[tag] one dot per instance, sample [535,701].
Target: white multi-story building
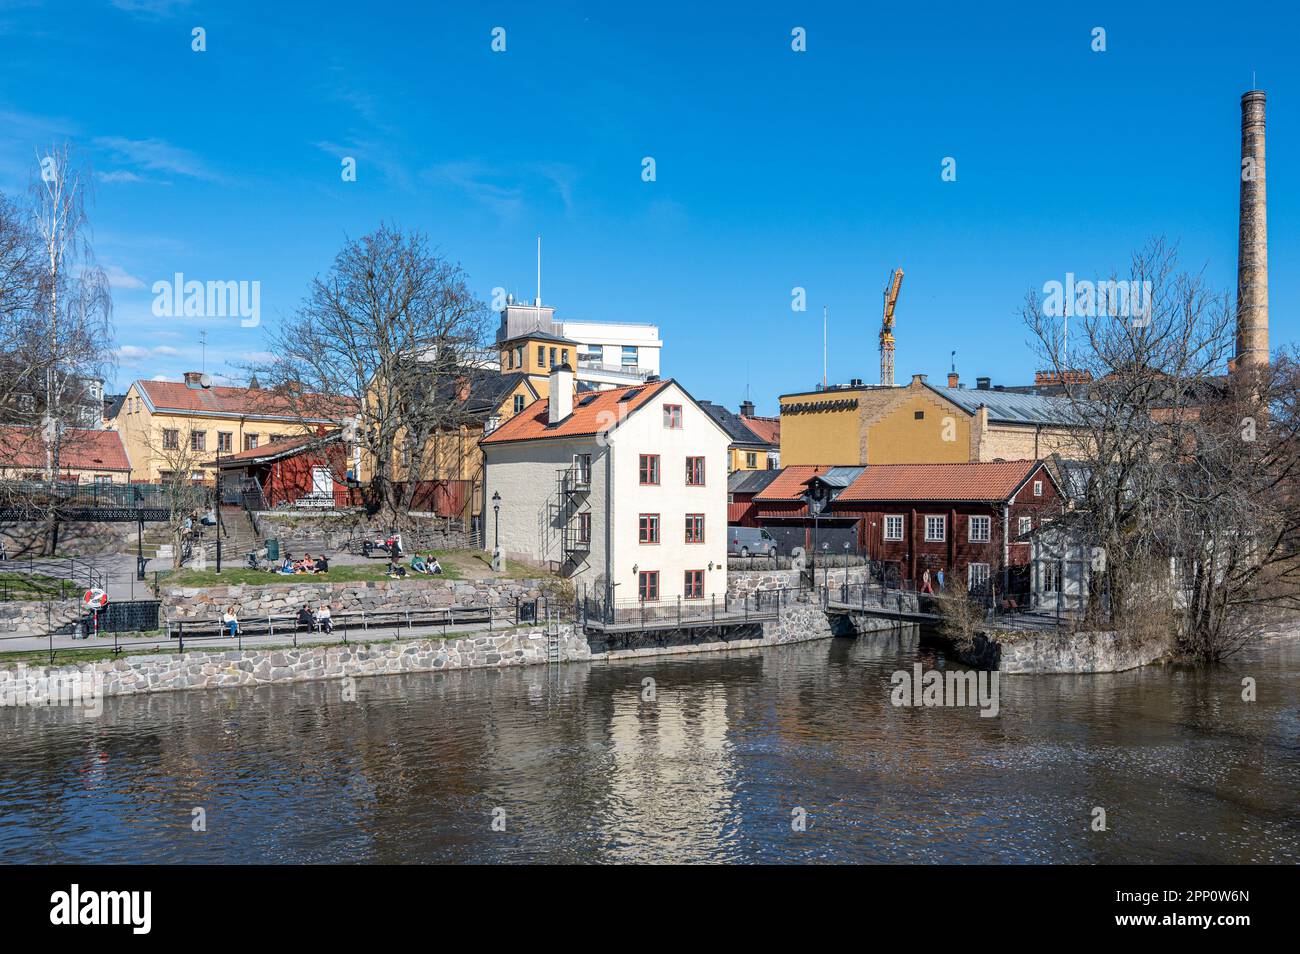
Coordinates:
[608,353]
[624,491]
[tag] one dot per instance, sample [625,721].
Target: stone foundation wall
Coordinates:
[335,531]
[208,602]
[1062,652]
[212,670]
[30,615]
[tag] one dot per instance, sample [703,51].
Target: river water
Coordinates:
[577,766]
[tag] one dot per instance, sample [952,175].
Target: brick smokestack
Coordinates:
[1252,246]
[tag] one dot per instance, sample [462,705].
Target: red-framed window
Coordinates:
[694,586]
[648,528]
[673,416]
[695,472]
[647,585]
[695,528]
[584,527]
[649,469]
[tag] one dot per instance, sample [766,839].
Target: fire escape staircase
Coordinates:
[570,501]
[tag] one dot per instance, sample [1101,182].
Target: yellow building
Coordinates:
[921,423]
[478,400]
[167,425]
[536,354]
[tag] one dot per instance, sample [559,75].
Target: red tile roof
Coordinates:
[994,481]
[80,449]
[238,402]
[767,428]
[789,484]
[593,413]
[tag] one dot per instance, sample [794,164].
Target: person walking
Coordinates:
[925,582]
[938,576]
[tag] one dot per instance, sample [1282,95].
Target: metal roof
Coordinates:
[750,481]
[1012,407]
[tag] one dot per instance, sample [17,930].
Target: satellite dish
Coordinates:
[206,380]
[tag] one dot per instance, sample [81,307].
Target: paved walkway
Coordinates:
[214,643]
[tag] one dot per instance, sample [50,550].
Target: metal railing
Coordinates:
[679,611]
[91,494]
[77,573]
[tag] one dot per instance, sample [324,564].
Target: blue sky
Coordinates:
[775,169]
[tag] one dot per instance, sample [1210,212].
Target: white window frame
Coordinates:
[943,528]
[982,521]
[901,527]
[1026,525]
[971,582]
[1038,488]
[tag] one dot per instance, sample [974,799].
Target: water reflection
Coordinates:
[586,769]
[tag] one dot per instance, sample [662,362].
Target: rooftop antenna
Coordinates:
[539,271]
[203,351]
[824,379]
[954,362]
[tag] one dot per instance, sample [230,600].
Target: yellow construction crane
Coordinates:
[887,329]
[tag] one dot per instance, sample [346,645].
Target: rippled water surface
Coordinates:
[585,770]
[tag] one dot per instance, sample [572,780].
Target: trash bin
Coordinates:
[273,549]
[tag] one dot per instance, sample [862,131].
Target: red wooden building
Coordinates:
[973,520]
[306,470]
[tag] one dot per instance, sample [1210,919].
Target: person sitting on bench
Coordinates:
[323,621]
[305,617]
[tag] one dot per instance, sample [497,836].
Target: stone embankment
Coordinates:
[1061,652]
[214,670]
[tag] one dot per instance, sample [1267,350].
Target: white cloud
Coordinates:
[119,175]
[130,352]
[119,277]
[158,155]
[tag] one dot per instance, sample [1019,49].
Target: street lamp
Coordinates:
[496,521]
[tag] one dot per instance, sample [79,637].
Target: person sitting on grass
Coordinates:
[395,570]
[323,621]
[417,564]
[305,617]
[434,566]
[286,566]
[305,565]
[322,564]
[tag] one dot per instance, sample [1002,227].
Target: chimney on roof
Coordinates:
[194,379]
[952,379]
[918,379]
[560,399]
[462,388]
[746,408]
[982,384]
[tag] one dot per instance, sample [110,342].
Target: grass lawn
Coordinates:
[34,586]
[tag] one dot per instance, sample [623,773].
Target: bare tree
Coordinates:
[386,334]
[73,303]
[181,469]
[1183,482]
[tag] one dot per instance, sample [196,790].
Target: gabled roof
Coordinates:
[177,397]
[79,449]
[837,478]
[750,481]
[790,484]
[995,481]
[1010,407]
[593,413]
[113,404]
[739,432]
[276,450]
[767,428]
